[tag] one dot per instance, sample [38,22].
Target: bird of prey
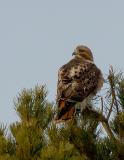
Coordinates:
[78,81]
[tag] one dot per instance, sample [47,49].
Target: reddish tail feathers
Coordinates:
[66,110]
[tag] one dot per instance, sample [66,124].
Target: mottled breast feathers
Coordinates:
[78,79]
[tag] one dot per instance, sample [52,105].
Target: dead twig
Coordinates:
[110,110]
[102,106]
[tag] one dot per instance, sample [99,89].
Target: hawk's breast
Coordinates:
[78,79]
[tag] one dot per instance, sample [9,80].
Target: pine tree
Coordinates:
[7,145]
[95,134]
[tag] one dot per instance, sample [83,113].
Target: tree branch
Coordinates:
[112,83]
[110,110]
[99,117]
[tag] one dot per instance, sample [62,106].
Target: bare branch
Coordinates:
[112,82]
[99,117]
[102,106]
[110,110]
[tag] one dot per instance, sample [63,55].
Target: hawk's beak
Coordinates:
[74,53]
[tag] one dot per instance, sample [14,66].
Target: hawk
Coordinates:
[78,81]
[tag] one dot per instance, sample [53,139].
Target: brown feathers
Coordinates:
[77,79]
[66,110]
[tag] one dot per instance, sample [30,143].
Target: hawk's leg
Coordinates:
[81,106]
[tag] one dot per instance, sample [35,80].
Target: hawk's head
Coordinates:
[82,51]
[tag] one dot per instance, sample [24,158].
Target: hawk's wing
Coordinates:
[77,80]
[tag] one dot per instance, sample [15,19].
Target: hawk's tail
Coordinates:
[66,110]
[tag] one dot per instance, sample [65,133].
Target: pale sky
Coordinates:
[38,36]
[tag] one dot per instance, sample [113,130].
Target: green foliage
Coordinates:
[35,114]
[36,136]
[103,149]
[7,146]
[60,145]
[121,92]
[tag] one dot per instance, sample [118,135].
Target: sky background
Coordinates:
[38,36]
